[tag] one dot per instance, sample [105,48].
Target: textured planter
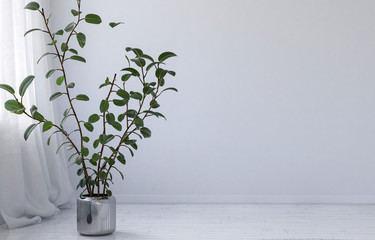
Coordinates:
[96,215]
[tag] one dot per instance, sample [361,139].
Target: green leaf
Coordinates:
[146,132]
[110,117]
[165,55]
[119,102]
[121,158]
[95,157]
[121,117]
[136,95]
[81,38]
[151,65]
[85,151]
[72,50]
[125,77]
[71,85]
[60,80]
[33,109]
[78,58]
[47,126]
[32,6]
[50,72]
[78,160]
[133,71]
[69,27]
[55,95]
[80,171]
[148,57]
[138,52]
[108,192]
[89,126]
[52,43]
[28,131]
[38,116]
[86,139]
[94,118]
[154,104]
[74,12]
[104,105]
[172,73]
[96,143]
[124,94]
[7,88]
[148,90]
[113,24]
[140,62]
[117,126]
[131,113]
[14,106]
[102,175]
[32,30]
[171,88]
[46,54]
[82,97]
[60,32]
[25,84]
[93,19]
[93,163]
[64,47]
[138,122]
[160,73]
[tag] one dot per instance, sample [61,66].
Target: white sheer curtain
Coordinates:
[34,181]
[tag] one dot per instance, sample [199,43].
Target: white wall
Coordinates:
[276,101]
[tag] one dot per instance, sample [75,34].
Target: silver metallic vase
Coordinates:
[96,215]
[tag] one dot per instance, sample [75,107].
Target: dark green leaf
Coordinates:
[119,102]
[14,107]
[96,143]
[113,24]
[93,162]
[138,52]
[121,158]
[154,104]
[50,72]
[86,139]
[117,126]
[121,117]
[71,85]
[85,151]
[94,118]
[32,6]
[102,175]
[93,19]
[52,43]
[72,50]
[138,122]
[124,94]
[148,90]
[32,30]
[64,47]
[82,97]
[38,116]
[60,80]
[89,126]
[28,131]
[125,77]
[108,192]
[74,12]
[171,88]
[148,57]
[81,38]
[160,73]
[80,171]
[69,27]
[78,160]
[140,62]
[146,132]
[25,84]
[7,88]
[60,32]
[110,117]
[82,183]
[104,105]
[151,65]
[131,113]
[172,73]
[165,55]
[133,71]
[78,58]
[55,95]
[33,109]
[136,95]
[47,126]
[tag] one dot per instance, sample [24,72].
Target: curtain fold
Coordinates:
[34,181]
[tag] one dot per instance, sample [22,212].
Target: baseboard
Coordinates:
[254,199]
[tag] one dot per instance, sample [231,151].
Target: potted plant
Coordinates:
[120,116]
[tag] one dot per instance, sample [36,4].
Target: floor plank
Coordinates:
[218,221]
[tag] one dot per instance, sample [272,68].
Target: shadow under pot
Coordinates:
[96,215]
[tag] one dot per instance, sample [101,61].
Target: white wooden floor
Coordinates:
[218,221]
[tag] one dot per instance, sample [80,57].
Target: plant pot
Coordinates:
[96,215]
